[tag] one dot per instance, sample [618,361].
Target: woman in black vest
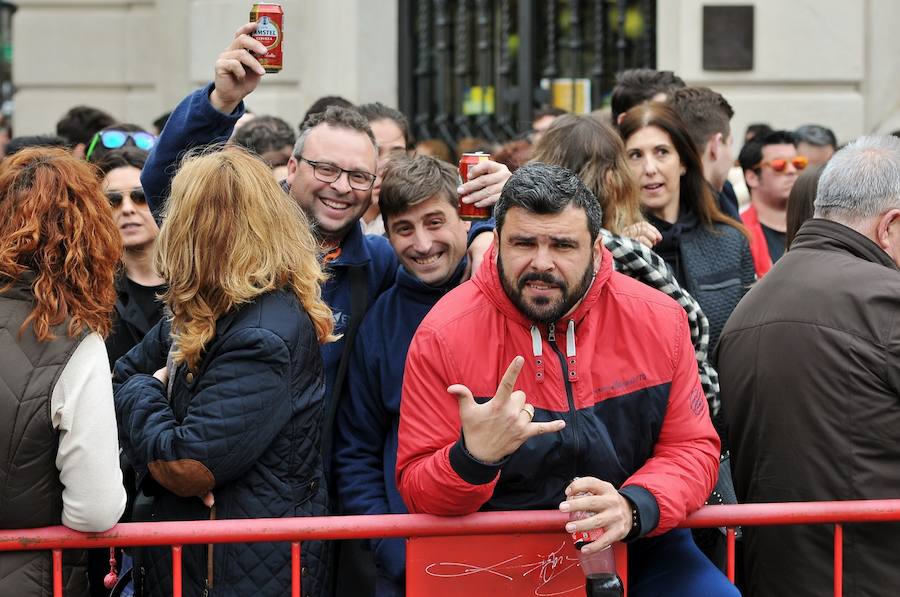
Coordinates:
[59,461]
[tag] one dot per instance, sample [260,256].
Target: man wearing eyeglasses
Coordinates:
[330,175]
[770,165]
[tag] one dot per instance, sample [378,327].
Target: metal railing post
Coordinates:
[176,571]
[838,560]
[729,537]
[295,569]
[57,573]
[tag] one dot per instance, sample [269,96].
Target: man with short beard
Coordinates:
[548,366]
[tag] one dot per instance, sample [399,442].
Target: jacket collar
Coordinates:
[354,250]
[419,291]
[488,280]
[21,288]
[820,234]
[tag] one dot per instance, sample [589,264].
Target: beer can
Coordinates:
[269,19]
[468,211]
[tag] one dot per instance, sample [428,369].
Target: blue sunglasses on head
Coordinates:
[114,139]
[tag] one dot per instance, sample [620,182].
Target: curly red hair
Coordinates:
[56,224]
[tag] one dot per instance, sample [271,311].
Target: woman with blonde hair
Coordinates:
[220,407]
[59,461]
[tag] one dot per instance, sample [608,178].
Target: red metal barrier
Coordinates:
[292,530]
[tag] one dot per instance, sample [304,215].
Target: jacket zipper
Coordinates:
[551,337]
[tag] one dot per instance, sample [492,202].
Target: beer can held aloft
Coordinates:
[269,19]
[468,211]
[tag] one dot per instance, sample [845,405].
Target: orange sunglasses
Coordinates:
[799,162]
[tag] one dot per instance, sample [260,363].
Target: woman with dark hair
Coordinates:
[138,283]
[220,406]
[800,202]
[59,461]
[708,252]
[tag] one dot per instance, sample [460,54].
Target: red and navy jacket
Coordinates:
[620,370]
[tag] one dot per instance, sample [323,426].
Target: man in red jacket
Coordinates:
[549,366]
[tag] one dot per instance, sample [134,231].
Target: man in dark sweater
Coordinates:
[419,205]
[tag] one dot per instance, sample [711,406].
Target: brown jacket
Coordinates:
[809,366]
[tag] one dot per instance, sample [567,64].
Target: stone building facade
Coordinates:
[835,62]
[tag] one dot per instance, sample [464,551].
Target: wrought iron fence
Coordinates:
[481,68]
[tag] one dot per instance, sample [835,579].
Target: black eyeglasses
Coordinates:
[328,172]
[115,198]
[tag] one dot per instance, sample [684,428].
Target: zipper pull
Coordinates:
[551,332]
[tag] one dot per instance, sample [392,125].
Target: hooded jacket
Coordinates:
[620,371]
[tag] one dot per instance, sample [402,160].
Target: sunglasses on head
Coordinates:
[799,162]
[115,198]
[114,139]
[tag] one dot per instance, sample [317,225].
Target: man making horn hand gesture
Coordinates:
[556,368]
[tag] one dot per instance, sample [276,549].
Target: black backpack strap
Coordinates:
[358,299]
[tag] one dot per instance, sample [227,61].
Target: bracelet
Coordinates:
[635,523]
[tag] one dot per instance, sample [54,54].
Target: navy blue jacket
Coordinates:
[196,122]
[246,421]
[366,432]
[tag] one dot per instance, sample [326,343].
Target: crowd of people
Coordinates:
[224,318]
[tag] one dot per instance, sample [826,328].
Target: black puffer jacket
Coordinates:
[714,266]
[245,424]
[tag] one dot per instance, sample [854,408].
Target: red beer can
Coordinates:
[468,211]
[269,19]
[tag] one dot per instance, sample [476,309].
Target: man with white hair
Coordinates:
[809,366]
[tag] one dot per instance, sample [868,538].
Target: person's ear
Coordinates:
[715,146]
[751,177]
[292,166]
[886,233]
[598,253]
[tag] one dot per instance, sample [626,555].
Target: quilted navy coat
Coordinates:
[245,423]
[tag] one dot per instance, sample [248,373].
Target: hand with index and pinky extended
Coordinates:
[494,430]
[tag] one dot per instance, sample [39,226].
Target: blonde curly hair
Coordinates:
[229,235]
